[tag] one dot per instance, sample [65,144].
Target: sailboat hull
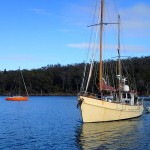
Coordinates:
[17,98]
[95,110]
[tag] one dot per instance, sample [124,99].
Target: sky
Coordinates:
[37,33]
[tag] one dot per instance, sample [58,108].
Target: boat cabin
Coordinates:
[127,98]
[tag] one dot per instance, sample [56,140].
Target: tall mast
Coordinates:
[19,81]
[101,34]
[119,63]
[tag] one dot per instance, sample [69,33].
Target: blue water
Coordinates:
[54,123]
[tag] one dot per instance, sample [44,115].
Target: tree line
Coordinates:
[66,80]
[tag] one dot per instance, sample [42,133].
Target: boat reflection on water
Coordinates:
[109,135]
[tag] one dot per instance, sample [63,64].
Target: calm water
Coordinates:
[54,123]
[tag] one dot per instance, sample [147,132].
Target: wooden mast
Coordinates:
[101,34]
[119,63]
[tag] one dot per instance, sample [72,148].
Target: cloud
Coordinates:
[65,30]
[86,45]
[41,12]
[78,45]
[135,48]
[77,14]
[129,48]
[83,45]
[136,20]
[16,58]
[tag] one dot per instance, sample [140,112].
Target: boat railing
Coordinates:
[89,94]
[105,98]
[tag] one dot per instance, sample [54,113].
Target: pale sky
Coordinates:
[36,33]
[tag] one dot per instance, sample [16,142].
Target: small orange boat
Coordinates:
[17,98]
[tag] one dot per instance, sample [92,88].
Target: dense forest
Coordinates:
[66,80]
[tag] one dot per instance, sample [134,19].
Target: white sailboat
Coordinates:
[122,104]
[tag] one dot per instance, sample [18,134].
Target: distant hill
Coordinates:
[66,80]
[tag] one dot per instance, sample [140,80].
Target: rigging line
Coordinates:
[85,67]
[111,72]
[91,69]
[96,74]
[116,68]
[105,53]
[107,76]
[111,75]
[133,75]
[19,81]
[93,81]
[104,50]
[15,90]
[93,56]
[111,17]
[130,79]
[82,87]
[24,83]
[106,71]
[13,85]
[114,75]
[115,6]
[109,48]
[124,47]
[125,68]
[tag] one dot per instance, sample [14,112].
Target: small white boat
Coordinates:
[148,109]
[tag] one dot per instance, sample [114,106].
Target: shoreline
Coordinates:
[52,94]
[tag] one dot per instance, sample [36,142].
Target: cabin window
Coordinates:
[127,102]
[124,95]
[129,96]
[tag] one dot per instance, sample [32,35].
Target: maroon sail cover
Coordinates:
[108,87]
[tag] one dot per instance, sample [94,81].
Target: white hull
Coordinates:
[94,110]
[148,109]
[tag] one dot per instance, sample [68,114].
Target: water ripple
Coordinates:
[54,123]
